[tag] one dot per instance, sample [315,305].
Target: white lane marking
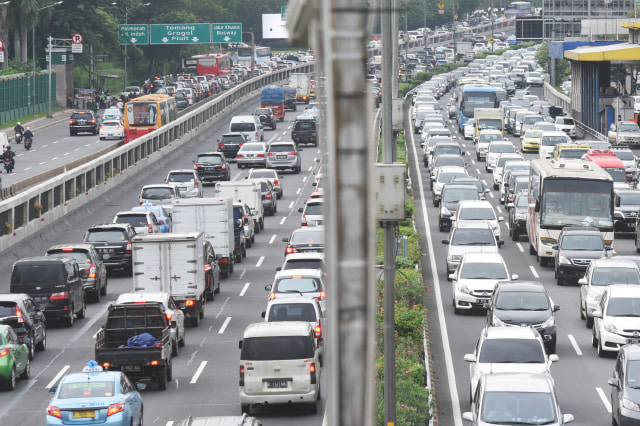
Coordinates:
[260,261]
[533,271]
[499,209]
[484,182]
[310,168]
[77,149]
[67,153]
[272,239]
[284,133]
[28,168]
[304,179]
[44,146]
[244,271]
[318,152]
[224,325]
[448,358]
[604,399]
[283,219]
[195,377]
[291,204]
[54,158]
[473,162]
[574,344]
[491,195]
[169,423]
[58,376]
[520,247]
[44,162]
[244,289]
[298,191]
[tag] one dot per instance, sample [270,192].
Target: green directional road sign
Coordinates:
[133,34]
[180,33]
[227,33]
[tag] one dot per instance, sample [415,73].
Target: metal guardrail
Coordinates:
[67,188]
[561,100]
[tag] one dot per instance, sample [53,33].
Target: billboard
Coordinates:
[273,26]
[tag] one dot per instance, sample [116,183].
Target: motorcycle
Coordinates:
[27,143]
[18,137]
[8,165]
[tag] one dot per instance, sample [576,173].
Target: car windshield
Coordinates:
[302,264]
[243,127]
[445,177]
[295,284]
[582,242]
[554,140]
[133,219]
[457,194]
[477,213]
[625,155]
[314,209]
[309,237]
[86,389]
[483,271]
[502,147]
[446,149]
[518,408]
[270,174]
[628,128]
[293,312]
[448,161]
[633,374]
[304,125]
[108,235]
[209,159]
[623,307]
[473,237]
[282,148]
[618,174]
[522,301]
[523,351]
[37,274]
[533,134]
[565,120]
[522,201]
[181,177]
[79,256]
[156,193]
[604,276]
[276,348]
[632,199]
[531,119]
[490,137]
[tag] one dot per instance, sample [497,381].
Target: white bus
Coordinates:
[566,192]
[262,54]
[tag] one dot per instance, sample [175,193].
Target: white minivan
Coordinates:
[249,125]
[279,364]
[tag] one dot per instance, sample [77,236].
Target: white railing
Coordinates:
[30,206]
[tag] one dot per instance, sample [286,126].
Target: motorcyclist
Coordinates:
[28,134]
[19,128]
[8,155]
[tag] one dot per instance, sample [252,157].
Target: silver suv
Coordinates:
[187,183]
[284,155]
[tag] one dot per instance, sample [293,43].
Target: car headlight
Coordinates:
[611,328]
[445,212]
[454,258]
[593,297]
[630,405]
[550,322]
[464,289]
[563,260]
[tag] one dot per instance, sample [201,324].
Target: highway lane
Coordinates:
[580,376]
[205,373]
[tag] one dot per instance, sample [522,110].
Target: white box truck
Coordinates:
[248,192]
[302,83]
[172,263]
[213,217]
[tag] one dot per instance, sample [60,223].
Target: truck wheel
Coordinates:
[169,368]
[247,243]
[261,224]
[239,256]
[162,378]
[209,295]
[244,251]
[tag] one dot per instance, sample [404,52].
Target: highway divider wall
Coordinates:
[65,189]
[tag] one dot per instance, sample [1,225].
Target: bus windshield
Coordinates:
[473,100]
[142,113]
[567,202]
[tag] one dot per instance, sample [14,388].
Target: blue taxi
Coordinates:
[95,397]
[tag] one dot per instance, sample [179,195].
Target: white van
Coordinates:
[249,125]
[279,364]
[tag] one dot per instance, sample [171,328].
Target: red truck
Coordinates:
[273,97]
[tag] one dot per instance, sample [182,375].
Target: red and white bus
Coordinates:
[211,64]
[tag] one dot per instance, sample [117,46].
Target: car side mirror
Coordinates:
[279,268]
[514,277]
[268,287]
[264,314]
[300,210]
[582,281]
[500,218]
[555,247]
[567,418]
[445,241]
[141,386]
[240,344]
[468,416]
[500,243]
[285,240]
[470,358]
[487,306]
[556,308]
[617,202]
[554,358]
[537,206]
[53,389]
[597,313]
[614,382]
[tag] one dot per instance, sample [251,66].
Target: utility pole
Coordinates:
[350,219]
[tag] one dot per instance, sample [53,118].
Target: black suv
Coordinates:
[212,167]
[83,122]
[452,194]
[93,272]
[577,247]
[27,320]
[627,205]
[113,242]
[266,117]
[54,285]
[524,304]
[229,144]
[518,215]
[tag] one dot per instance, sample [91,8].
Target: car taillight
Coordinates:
[166,181]
[4,352]
[256,135]
[304,221]
[190,302]
[92,271]
[260,155]
[71,122]
[223,167]
[150,228]
[293,153]
[268,196]
[128,249]
[59,296]
[241,382]
[19,315]
[269,154]
[275,182]
[322,295]
[54,411]
[318,331]
[169,316]
[220,146]
[207,267]
[115,408]
[312,372]
[272,295]
[239,156]
[101,127]
[290,250]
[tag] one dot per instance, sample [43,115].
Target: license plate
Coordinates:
[106,256]
[632,341]
[43,306]
[130,368]
[281,157]
[249,155]
[482,301]
[88,414]
[278,384]
[182,188]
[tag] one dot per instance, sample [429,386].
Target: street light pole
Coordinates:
[49,115]
[33,51]
[126,21]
